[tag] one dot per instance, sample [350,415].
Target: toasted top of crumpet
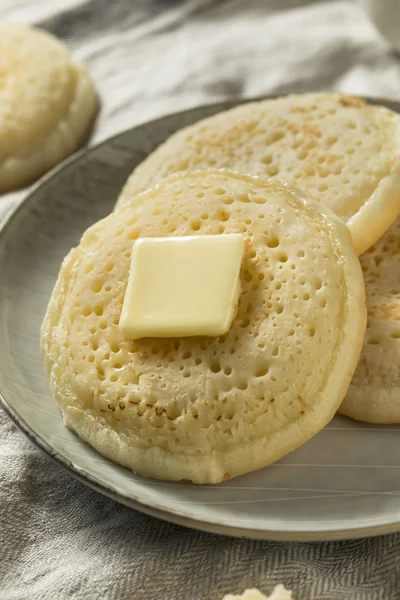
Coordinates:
[339,150]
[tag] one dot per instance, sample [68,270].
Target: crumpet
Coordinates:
[47,104]
[374,393]
[339,150]
[203,408]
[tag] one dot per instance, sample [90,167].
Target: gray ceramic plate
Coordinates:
[344,483]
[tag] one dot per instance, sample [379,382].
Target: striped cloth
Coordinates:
[60,540]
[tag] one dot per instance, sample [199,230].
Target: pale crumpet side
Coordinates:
[374,393]
[47,104]
[341,151]
[207,409]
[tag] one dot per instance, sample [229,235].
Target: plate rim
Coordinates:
[153,508]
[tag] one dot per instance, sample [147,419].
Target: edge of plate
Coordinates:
[154,509]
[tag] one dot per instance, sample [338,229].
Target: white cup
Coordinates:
[385,15]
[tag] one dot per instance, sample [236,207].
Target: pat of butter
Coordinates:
[182,286]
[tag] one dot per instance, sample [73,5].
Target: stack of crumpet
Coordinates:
[216,320]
